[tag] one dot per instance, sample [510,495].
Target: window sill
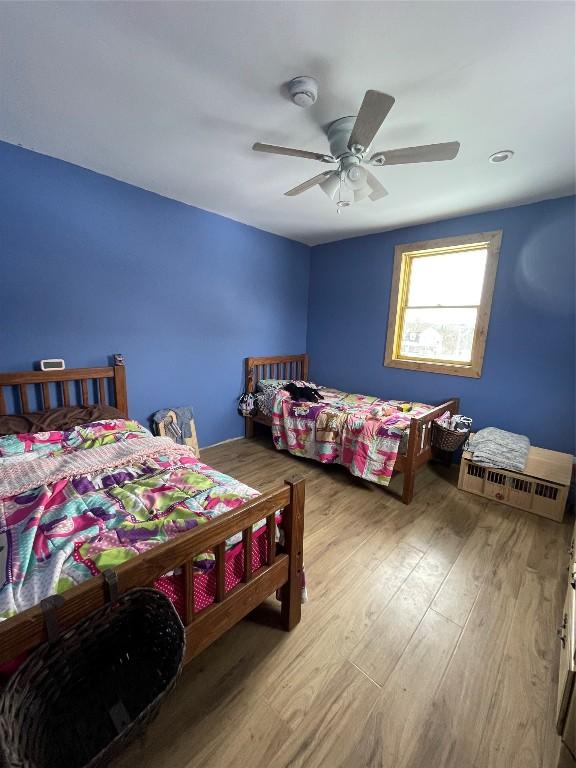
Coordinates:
[470,371]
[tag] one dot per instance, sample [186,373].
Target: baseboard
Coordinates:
[213,445]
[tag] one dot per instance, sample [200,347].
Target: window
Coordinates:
[440,304]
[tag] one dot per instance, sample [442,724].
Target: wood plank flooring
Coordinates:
[429,640]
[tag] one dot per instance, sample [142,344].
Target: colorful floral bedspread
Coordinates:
[60,534]
[361,432]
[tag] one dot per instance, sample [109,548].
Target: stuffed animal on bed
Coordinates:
[381,411]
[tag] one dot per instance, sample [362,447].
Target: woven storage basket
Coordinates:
[76,702]
[447,439]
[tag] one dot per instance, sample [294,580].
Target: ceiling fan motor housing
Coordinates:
[339,134]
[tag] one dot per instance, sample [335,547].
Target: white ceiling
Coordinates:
[170,96]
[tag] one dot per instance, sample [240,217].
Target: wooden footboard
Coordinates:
[420,446]
[282,570]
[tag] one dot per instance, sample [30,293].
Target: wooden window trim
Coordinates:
[402,260]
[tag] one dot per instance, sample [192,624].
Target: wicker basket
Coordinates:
[447,439]
[78,701]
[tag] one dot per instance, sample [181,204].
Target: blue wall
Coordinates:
[528,380]
[90,266]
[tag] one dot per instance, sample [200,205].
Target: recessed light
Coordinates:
[501,156]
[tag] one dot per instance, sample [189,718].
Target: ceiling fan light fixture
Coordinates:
[331,185]
[362,194]
[355,177]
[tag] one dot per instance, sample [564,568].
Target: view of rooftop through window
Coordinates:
[443,294]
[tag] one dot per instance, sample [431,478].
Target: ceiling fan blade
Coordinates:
[308,184]
[373,111]
[274,150]
[378,190]
[427,153]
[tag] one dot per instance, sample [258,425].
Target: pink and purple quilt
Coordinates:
[57,534]
[361,432]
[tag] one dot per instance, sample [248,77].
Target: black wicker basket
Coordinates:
[447,439]
[76,702]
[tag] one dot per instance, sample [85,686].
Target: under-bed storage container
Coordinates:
[542,488]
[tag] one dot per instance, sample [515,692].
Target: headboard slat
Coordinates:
[84,391]
[23,394]
[65,394]
[46,402]
[101,392]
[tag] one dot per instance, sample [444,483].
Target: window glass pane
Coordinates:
[438,334]
[447,279]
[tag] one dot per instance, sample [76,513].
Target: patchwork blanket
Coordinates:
[74,518]
[361,432]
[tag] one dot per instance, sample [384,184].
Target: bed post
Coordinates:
[248,387]
[120,396]
[293,525]
[410,471]
[408,486]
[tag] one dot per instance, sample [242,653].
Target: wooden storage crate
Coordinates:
[542,488]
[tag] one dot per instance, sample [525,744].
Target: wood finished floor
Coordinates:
[429,640]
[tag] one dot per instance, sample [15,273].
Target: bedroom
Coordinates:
[137,219]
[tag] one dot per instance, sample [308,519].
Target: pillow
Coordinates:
[265,399]
[263,384]
[280,383]
[56,419]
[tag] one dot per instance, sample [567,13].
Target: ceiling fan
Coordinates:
[350,139]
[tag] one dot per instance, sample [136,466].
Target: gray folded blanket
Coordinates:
[494,447]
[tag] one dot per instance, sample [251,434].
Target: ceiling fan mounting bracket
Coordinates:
[378,159]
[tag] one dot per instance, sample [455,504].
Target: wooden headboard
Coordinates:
[50,389]
[279,367]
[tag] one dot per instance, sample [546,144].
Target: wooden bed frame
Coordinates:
[282,570]
[419,450]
